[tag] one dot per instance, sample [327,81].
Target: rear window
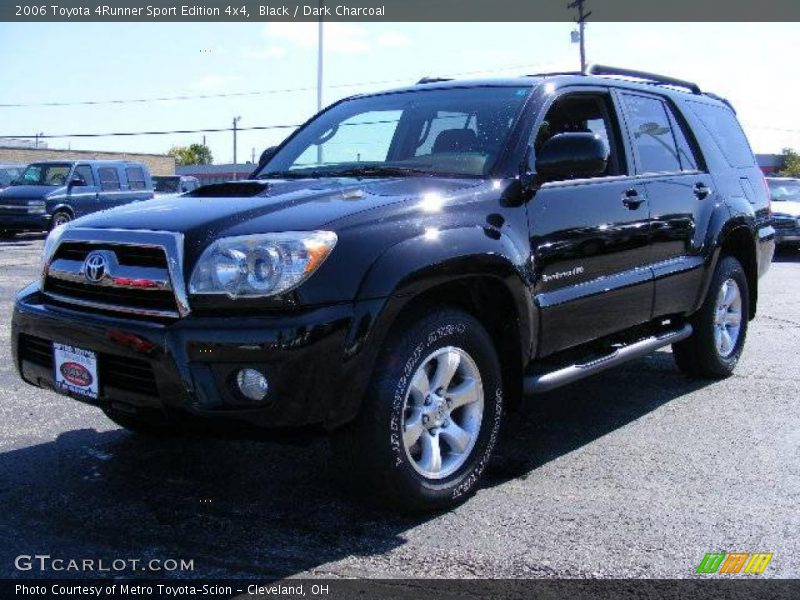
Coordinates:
[109,178]
[721,123]
[135,177]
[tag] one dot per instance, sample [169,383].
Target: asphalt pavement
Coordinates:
[637,472]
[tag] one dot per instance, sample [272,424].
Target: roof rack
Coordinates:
[433,80]
[649,77]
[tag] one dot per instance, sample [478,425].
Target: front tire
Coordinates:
[60,217]
[720,326]
[430,418]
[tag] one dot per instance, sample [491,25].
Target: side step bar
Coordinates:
[544,382]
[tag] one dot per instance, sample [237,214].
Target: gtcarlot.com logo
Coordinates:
[45,562]
[731,563]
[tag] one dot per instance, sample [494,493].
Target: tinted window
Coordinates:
[721,123]
[686,152]
[84,172]
[135,177]
[583,113]
[109,178]
[784,189]
[651,135]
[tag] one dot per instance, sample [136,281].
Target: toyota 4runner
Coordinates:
[408,265]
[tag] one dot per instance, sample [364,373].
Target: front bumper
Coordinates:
[24,221]
[187,368]
[787,229]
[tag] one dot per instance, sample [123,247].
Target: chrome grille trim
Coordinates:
[170,242]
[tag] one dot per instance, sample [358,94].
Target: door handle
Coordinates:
[631,199]
[701,190]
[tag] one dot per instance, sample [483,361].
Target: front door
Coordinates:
[82,191]
[589,237]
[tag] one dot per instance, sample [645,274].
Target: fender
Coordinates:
[723,223]
[60,206]
[413,267]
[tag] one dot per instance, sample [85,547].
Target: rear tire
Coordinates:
[430,418]
[720,326]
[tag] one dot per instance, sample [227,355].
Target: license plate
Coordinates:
[76,370]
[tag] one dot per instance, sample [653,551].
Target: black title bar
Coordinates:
[397,10]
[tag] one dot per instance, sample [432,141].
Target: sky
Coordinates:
[752,64]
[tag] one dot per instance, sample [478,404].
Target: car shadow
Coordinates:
[261,509]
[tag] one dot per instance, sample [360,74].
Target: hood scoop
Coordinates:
[231,189]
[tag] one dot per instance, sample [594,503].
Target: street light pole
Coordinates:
[319,73]
[235,123]
[581,20]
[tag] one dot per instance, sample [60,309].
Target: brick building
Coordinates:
[159,164]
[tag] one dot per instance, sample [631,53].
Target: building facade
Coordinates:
[159,164]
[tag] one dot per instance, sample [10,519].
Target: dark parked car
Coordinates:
[785,194]
[9,173]
[174,184]
[48,194]
[409,265]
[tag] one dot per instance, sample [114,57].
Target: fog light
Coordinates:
[252,384]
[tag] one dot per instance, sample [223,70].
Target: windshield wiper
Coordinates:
[289,175]
[375,171]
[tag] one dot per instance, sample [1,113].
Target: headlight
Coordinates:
[260,265]
[36,207]
[51,243]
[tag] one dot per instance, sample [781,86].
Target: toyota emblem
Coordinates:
[94,267]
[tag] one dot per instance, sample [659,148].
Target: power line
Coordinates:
[240,94]
[135,133]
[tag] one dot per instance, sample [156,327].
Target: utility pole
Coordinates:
[235,123]
[37,138]
[581,21]
[319,73]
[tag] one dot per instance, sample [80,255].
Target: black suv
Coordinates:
[408,265]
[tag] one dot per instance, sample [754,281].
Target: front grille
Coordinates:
[134,256]
[161,300]
[123,373]
[134,277]
[780,223]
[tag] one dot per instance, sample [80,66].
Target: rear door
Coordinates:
[680,193]
[137,184]
[589,237]
[111,193]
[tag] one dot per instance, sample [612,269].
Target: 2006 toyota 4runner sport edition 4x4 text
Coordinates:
[408,265]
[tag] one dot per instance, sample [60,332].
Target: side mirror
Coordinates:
[571,155]
[76,182]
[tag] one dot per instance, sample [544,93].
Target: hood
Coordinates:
[30,192]
[786,207]
[245,207]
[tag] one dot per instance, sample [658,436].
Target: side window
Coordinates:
[85,173]
[686,153]
[651,135]
[587,113]
[135,177]
[721,123]
[109,178]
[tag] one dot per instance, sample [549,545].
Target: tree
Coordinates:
[195,154]
[791,163]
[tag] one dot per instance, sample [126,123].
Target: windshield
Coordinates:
[443,132]
[787,189]
[166,185]
[7,175]
[45,174]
